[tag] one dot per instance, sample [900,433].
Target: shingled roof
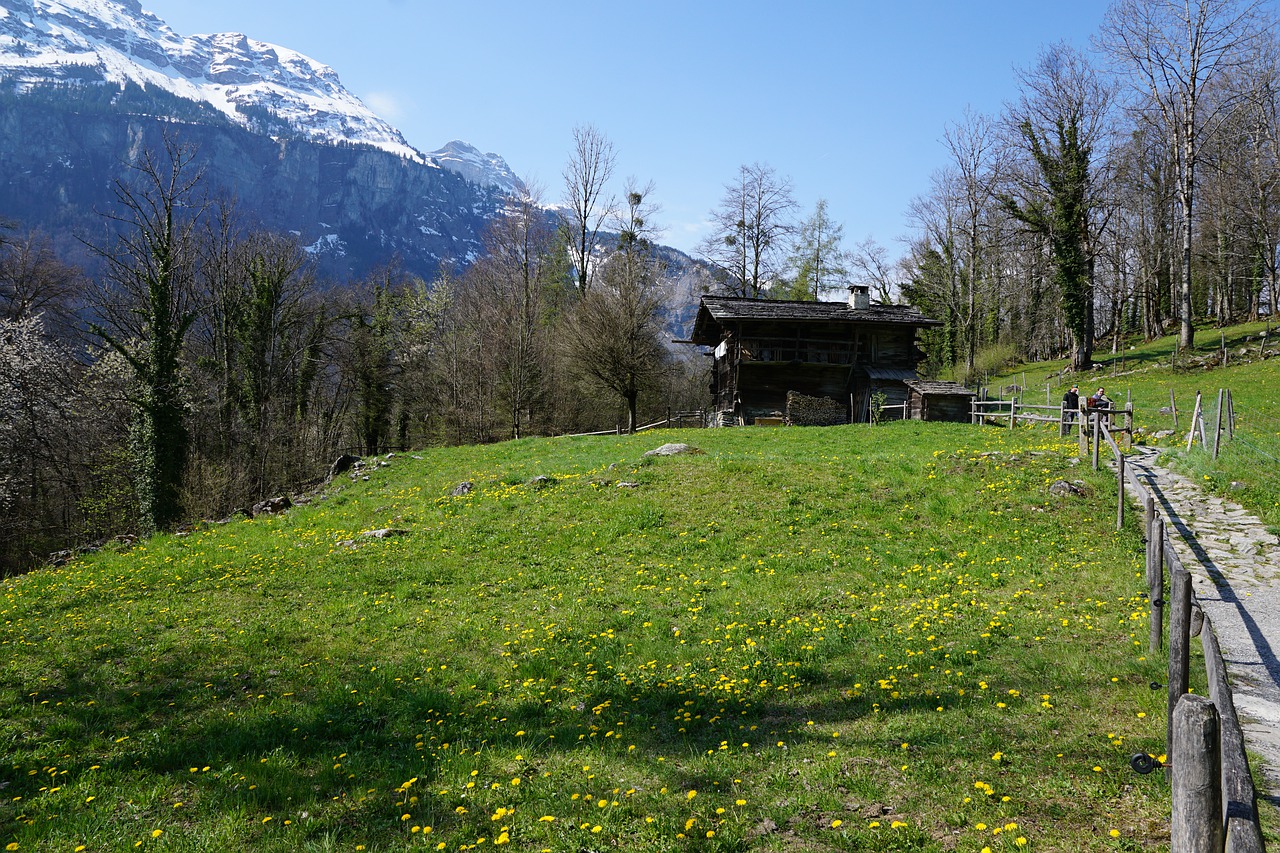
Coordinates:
[934,387]
[718,310]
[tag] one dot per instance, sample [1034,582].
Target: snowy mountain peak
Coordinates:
[484,169]
[117,42]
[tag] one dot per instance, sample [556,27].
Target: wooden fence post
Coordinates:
[1155,585]
[1217,427]
[1173,404]
[1120,490]
[1231,415]
[1097,436]
[1083,419]
[1179,644]
[1197,777]
[1195,421]
[1128,425]
[1240,798]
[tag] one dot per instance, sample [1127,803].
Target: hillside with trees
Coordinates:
[1128,190]
[175,352]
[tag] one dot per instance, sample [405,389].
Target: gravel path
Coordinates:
[1235,569]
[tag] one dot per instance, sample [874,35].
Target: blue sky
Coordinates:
[848,99]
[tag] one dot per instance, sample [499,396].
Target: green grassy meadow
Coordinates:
[851,638]
[1147,373]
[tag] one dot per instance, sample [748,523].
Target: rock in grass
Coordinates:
[1062,489]
[385,533]
[342,465]
[670,450]
[541,481]
[463,488]
[272,505]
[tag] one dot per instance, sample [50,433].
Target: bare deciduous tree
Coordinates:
[515,277]
[34,281]
[1058,126]
[1177,48]
[148,306]
[613,337]
[751,227]
[871,263]
[586,178]
[979,163]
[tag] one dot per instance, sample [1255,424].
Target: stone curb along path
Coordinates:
[1235,568]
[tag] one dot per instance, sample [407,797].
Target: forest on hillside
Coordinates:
[1132,189]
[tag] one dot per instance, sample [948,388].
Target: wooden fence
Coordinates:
[1215,805]
[673,420]
[1013,411]
[1214,802]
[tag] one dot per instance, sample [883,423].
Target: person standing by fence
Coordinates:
[1070,407]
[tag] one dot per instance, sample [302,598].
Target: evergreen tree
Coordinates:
[818,262]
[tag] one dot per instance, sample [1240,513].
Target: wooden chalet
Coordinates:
[841,352]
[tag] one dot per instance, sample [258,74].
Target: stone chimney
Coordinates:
[859,296]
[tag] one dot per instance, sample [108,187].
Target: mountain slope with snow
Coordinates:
[117,41]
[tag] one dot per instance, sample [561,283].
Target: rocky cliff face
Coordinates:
[354,207]
[87,86]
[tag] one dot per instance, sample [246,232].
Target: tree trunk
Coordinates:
[1186,329]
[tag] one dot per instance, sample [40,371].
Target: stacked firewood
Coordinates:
[803,410]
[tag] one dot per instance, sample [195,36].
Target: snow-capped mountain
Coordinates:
[89,87]
[86,86]
[485,169]
[117,41]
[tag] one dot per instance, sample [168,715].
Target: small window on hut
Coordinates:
[866,348]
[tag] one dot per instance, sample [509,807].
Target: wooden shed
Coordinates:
[843,352]
[932,400]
